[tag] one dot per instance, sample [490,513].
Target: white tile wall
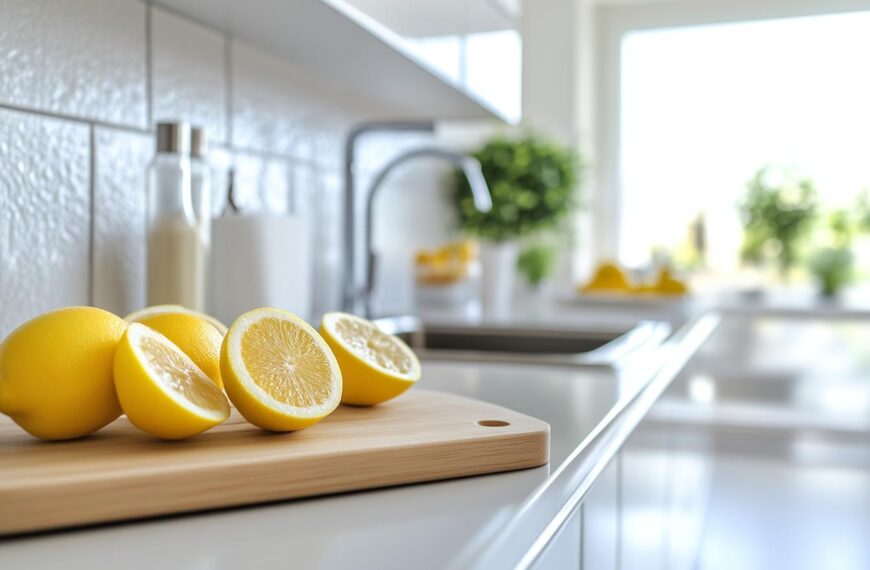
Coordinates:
[64,180]
[82,58]
[262,184]
[187,74]
[270,102]
[45,202]
[119,164]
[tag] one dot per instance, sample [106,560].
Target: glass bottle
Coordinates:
[176,253]
[200,193]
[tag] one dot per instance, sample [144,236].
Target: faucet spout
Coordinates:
[470,168]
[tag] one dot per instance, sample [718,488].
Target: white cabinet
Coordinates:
[563,552]
[600,520]
[644,497]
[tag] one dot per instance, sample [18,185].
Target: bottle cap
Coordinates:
[198,142]
[173,137]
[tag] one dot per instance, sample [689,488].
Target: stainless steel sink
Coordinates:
[526,344]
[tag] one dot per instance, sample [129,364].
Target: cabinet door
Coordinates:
[643,476]
[563,552]
[600,520]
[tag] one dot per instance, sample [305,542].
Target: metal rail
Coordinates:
[540,518]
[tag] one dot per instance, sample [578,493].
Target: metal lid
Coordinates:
[173,137]
[198,142]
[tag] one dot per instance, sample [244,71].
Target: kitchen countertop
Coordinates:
[432,525]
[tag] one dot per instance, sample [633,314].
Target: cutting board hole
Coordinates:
[493,423]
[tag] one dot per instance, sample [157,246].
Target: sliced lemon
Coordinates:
[278,371]
[195,336]
[138,316]
[375,366]
[160,388]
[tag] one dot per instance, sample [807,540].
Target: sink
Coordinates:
[526,344]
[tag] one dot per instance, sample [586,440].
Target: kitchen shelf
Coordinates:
[338,42]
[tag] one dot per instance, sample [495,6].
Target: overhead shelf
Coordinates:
[336,41]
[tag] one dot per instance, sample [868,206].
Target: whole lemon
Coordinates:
[196,338]
[56,372]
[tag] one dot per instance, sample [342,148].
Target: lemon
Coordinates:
[56,372]
[194,336]
[137,316]
[667,284]
[375,366]
[608,277]
[278,372]
[162,391]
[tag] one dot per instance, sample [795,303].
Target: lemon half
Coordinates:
[162,391]
[195,336]
[278,371]
[375,366]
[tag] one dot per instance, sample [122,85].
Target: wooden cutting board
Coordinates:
[120,473]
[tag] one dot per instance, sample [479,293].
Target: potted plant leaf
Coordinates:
[832,265]
[777,213]
[533,183]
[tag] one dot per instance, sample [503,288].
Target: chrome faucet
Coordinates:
[470,167]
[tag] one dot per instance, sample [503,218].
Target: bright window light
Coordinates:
[703,108]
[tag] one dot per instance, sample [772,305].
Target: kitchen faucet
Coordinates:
[469,166]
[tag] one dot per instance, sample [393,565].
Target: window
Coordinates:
[703,108]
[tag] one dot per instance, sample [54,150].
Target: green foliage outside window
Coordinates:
[777,216]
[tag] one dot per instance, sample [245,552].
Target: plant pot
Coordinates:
[498,264]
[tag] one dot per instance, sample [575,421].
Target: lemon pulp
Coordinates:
[371,344]
[278,372]
[180,377]
[375,366]
[284,361]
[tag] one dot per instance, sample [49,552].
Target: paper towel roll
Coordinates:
[260,261]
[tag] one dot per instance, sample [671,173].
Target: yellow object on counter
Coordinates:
[667,284]
[609,278]
[446,265]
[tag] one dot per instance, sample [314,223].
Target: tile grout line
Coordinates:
[149,73]
[73,118]
[228,89]
[95,123]
[92,144]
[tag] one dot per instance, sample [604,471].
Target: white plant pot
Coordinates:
[498,265]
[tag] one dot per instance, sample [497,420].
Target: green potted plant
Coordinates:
[832,268]
[832,265]
[533,183]
[777,213]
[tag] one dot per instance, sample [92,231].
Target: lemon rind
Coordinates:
[155,310]
[234,354]
[329,320]
[135,332]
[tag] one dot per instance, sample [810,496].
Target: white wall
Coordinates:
[81,81]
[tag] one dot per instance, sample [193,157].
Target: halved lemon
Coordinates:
[375,366]
[160,388]
[278,372]
[138,316]
[195,336]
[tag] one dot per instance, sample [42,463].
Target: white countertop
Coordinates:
[430,525]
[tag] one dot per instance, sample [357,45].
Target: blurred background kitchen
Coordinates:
[721,142]
[642,160]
